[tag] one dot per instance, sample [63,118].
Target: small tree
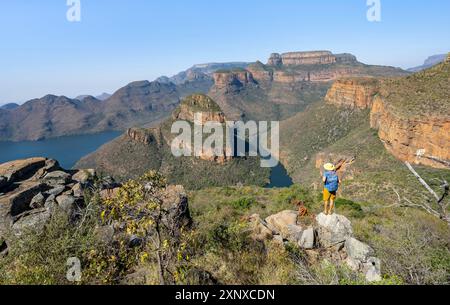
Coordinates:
[138,211]
[437,206]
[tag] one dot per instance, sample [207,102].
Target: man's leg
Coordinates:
[331,207]
[325,208]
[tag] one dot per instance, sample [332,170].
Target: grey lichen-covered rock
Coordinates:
[372,270]
[84,175]
[331,236]
[58,190]
[105,234]
[358,250]
[38,201]
[66,203]
[307,239]
[33,222]
[57,178]
[333,229]
[77,190]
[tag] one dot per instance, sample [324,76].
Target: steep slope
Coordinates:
[140,150]
[411,114]
[370,126]
[287,84]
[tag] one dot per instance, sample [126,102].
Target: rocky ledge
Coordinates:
[38,188]
[353,92]
[32,190]
[323,237]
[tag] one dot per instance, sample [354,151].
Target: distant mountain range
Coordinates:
[429,62]
[200,71]
[101,97]
[277,90]
[9,106]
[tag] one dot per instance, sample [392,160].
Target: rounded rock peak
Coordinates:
[200,102]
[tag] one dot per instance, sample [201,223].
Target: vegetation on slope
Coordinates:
[420,94]
[218,248]
[374,175]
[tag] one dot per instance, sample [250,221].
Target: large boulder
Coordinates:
[34,222]
[57,178]
[19,170]
[333,229]
[360,258]
[358,250]
[372,270]
[15,203]
[83,176]
[307,239]
[285,223]
[66,203]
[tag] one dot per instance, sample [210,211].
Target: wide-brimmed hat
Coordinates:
[329,167]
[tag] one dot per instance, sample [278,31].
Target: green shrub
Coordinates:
[243,203]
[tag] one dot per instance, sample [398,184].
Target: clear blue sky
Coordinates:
[119,41]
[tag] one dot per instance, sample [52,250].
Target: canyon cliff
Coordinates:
[411,114]
[287,83]
[142,149]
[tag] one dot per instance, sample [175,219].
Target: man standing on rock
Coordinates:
[331,186]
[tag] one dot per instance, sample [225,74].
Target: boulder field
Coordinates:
[323,237]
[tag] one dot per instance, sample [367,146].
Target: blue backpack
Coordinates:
[332,181]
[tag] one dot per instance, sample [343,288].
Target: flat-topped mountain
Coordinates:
[287,83]
[143,149]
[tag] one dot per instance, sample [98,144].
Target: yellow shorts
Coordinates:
[327,195]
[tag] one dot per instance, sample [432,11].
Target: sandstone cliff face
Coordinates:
[302,58]
[188,114]
[145,136]
[232,79]
[420,139]
[309,58]
[192,105]
[353,93]
[424,140]
[202,105]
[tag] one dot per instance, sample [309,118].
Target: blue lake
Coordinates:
[279,177]
[67,150]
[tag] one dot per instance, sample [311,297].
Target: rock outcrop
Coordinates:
[353,92]
[302,58]
[412,127]
[232,80]
[201,105]
[330,236]
[423,140]
[145,136]
[35,189]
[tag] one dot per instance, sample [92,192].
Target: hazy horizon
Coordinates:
[117,42]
